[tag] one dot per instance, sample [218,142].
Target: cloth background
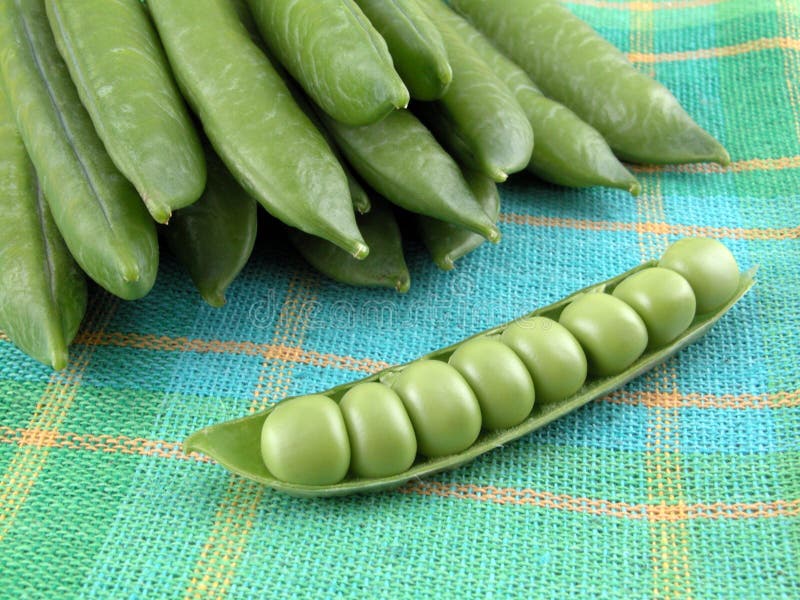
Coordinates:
[684,484]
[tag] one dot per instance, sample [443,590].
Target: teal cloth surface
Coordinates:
[683,484]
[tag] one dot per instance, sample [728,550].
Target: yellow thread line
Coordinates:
[109,444]
[741,233]
[600,507]
[706,401]
[643,5]
[776,43]
[741,166]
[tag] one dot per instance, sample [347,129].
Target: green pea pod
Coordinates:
[446,242]
[426,181]
[122,77]
[415,44]
[42,291]
[358,194]
[335,53]
[214,237]
[384,267]
[235,444]
[572,64]
[494,133]
[255,126]
[567,150]
[102,219]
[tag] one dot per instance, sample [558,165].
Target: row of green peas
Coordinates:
[435,408]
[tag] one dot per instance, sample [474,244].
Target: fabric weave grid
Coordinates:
[683,484]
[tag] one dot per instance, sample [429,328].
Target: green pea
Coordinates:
[304,441]
[567,150]
[415,44]
[610,332]
[382,440]
[443,409]
[572,64]
[122,76]
[446,242]
[269,145]
[708,266]
[553,356]
[40,308]
[663,299]
[334,52]
[385,266]
[499,378]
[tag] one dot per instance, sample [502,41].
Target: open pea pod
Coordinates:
[235,444]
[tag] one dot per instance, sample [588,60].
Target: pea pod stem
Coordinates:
[234,444]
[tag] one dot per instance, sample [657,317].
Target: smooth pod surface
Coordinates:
[663,299]
[500,380]
[708,266]
[572,64]
[123,79]
[254,124]
[417,49]
[214,237]
[426,181]
[382,440]
[446,242]
[232,443]
[494,134]
[442,407]
[98,212]
[304,441]
[42,290]
[553,356]
[567,151]
[335,53]
[385,266]
[611,333]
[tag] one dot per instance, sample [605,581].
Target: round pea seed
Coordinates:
[499,378]
[382,440]
[664,300]
[443,409]
[610,331]
[708,266]
[304,441]
[553,356]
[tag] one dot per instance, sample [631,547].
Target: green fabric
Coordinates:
[684,484]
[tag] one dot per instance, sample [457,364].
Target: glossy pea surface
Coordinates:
[442,407]
[499,378]
[305,441]
[553,356]
[663,299]
[708,266]
[610,332]
[382,440]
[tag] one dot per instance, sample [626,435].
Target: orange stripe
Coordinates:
[776,43]
[267,351]
[741,166]
[643,5]
[606,508]
[655,228]
[709,401]
[108,444]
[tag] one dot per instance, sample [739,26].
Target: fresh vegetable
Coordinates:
[255,126]
[101,218]
[123,79]
[572,64]
[452,413]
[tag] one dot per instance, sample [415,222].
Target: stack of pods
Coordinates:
[122,120]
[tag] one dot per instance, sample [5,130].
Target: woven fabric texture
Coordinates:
[683,484]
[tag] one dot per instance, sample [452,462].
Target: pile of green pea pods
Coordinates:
[448,407]
[333,115]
